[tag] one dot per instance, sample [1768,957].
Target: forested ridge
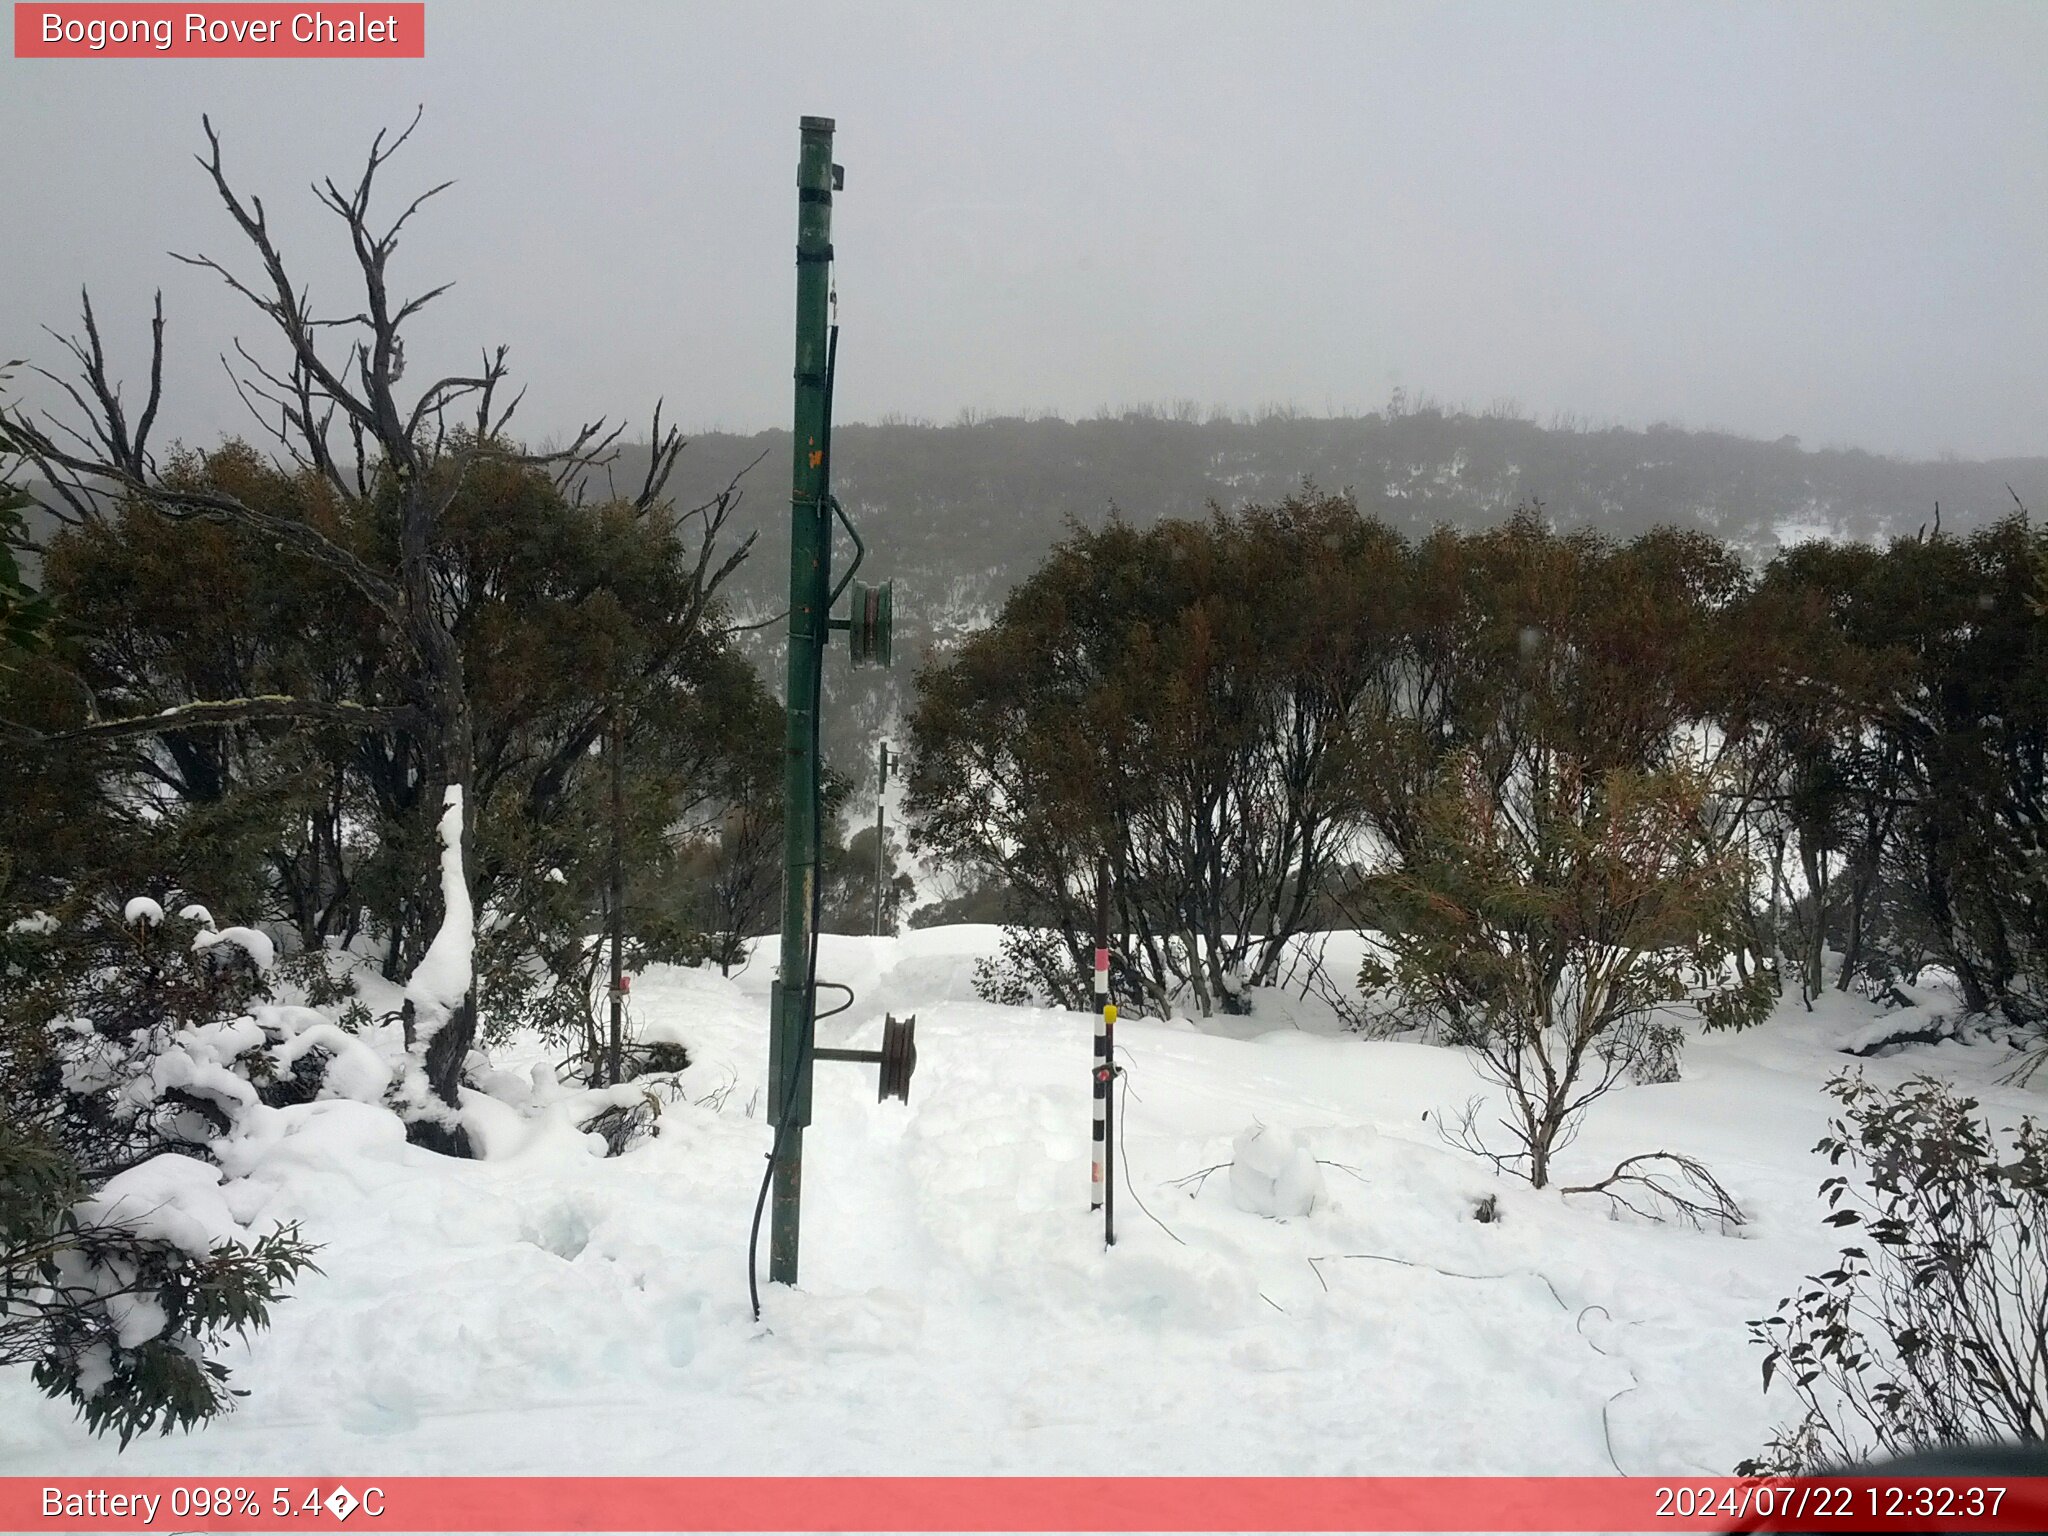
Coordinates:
[957,515]
[961,512]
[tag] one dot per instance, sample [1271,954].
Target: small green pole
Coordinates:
[810,560]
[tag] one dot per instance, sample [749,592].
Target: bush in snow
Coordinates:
[119,1299]
[563,996]
[128,1040]
[1932,1330]
[1031,968]
[1551,918]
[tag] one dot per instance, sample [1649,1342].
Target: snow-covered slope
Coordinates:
[551,1311]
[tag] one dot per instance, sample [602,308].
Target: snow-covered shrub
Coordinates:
[129,1043]
[647,1058]
[628,1115]
[120,1299]
[122,1040]
[118,1035]
[1932,1330]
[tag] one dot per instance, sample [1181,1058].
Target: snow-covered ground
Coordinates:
[552,1311]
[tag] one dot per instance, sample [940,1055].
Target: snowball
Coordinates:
[547,1087]
[141,909]
[256,946]
[195,913]
[1273,1173]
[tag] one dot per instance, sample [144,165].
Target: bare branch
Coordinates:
[214,713]
[1666,1183]
[287,308]
[663,451]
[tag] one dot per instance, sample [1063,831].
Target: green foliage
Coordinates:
[1030,968]
[1931,1329]
[726,881]
[169,1382]
[91,1002]
[26,615]
[1253,715]
[1893,715]
[1232,709]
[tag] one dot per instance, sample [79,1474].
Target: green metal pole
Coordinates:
[810,561]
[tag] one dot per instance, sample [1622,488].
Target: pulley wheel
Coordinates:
[899,1059]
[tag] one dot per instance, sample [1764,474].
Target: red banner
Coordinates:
[1022,1504]
[260,31]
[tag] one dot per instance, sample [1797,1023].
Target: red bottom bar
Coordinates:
[1840,1505]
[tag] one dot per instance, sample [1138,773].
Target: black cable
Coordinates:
[1123,1121]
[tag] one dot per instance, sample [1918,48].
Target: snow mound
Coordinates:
[1273,1173]
[141,909]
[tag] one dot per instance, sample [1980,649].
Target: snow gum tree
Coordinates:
[380,466]
[1550,899]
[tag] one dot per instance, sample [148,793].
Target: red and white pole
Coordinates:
[1101,1076]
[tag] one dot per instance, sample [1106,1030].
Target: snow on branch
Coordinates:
[442,980]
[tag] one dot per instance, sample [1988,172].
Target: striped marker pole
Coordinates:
[1104,1190]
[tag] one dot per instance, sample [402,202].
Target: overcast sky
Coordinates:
[1825,220]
